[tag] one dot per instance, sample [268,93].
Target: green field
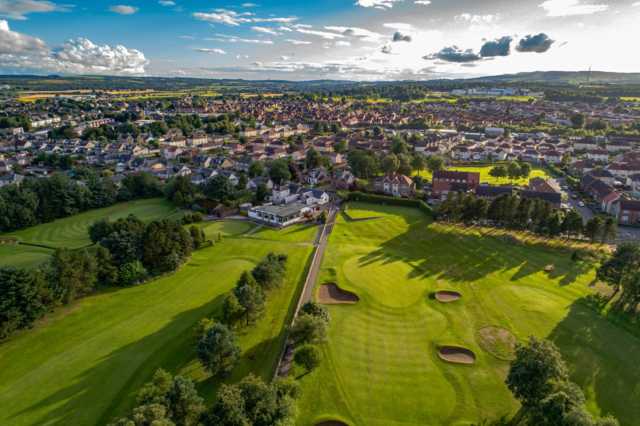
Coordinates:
[380,365]
[486,178]
[82,364]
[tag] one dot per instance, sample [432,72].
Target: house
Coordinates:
[285,194]
[445,181]
[604,194]
[600,155]
[553,198]
[628,212]
[282,215]
[315,197]
[395,184]
[344,179]
[317,176]
[544,185]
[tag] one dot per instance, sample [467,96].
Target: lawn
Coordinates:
[83,364]
[380,365]
[71,232]
[486,178]
[21,256]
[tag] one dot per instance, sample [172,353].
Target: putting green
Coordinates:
[380,365]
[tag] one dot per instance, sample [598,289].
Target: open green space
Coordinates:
[486,178]
[71,232]
[380,364]
[83,364]
[22,256]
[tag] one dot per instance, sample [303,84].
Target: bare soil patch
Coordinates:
[447,296]
[331,294]
[497,341]
[456,355]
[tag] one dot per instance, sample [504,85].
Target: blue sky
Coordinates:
[342,39]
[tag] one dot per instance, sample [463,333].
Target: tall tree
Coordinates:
[218,350]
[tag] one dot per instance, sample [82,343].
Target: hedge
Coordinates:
[393,201]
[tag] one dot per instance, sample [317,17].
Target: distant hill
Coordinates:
[562,77]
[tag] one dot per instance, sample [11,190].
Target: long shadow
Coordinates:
[457,256]
[603,358]
[170,348]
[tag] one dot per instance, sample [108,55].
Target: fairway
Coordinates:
[486,178]
[21,256]
[381,366]
[83,364]
[71,232]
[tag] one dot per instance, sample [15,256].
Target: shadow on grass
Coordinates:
[170,348]
[602,356]
[455,255]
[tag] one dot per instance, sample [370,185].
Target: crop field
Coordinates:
[486,178]
[381,363]
[83,364]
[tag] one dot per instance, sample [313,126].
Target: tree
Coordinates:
[341,146]
[107,272]
[399,146]
[418,163]
[165,245]
[525,170]
[270,272]
[261,193]
[577,120]
[218,350]
[24,297]
[279,171]
[390,164]
[593,228]
[405,164]
[317,310]
[312,158]
[537,365]
[435,163]
[609,230]
[71,274]
[181,191]
[308,357]
[363,164]
[250,296]
[309,329]
[572,224]
[256,168]
[197,236]
[232,310]
[132,273]
[219,189]
[513,170]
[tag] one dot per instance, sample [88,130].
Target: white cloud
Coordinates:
[559,8]
[123,9]
[342,43]
[215,51]
[355,32]
[401,26]
[265,30]
[233,39]
[12,42]
[167,3]
[18,9]
[378,4]
[476,19]
[298,42]
[83,56]
[323,34]
[230,17]
[423,2]
[248,5]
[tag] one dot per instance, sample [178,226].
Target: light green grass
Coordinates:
[486,178]
[83,364]
[380,365]
[226,228]
[71,232]
[21,256]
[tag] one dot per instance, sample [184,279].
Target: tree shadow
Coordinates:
[602,356]
[156,350]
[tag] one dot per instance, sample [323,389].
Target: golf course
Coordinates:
[35,244]
[430,314]
[83,363]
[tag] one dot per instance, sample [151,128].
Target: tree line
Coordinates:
[127,252]
[622,272]
[41,200]
[519,213]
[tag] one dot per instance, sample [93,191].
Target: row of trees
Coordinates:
[513,170]
[622,272]
[174,401]
[539,379]
[129,251]
[515,212]
[39,200]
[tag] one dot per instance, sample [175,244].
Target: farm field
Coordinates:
[380,365]
[486,178]
[71,232]
[83,364]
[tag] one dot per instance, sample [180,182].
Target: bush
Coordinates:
[309,329]
[317,310]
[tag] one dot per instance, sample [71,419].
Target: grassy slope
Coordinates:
[485,178]
[21,256]
[82,365]
[379,365]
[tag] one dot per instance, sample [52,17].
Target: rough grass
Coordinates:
[486,178]
[83,364]
[380,365]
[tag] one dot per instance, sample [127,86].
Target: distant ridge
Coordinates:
[562,77]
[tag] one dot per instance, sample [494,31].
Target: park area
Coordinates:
[425,316]
[485,177]
[83,364]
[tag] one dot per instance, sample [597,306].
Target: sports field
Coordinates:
[486,178]
[82,365]
[380,365]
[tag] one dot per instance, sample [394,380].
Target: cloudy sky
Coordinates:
[307,39]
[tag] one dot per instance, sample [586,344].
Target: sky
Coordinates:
[365,40]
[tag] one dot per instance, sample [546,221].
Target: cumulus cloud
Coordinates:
[12,42]
[498,47]
[215,51]
[476,19]
[559,8]
[455,54]
[233,18]
[538,43]
[167,3]
[377,4]
[123,9]
[398,36]
[342,43]
[322,34]
[298,42]
[19,9]
[356,32]
[83,56]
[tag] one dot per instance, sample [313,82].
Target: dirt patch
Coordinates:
[456,355]
[331,294]
[497,341]
[447,296]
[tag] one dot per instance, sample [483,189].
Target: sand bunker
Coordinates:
[447,296]
[456,355]
[331,294]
